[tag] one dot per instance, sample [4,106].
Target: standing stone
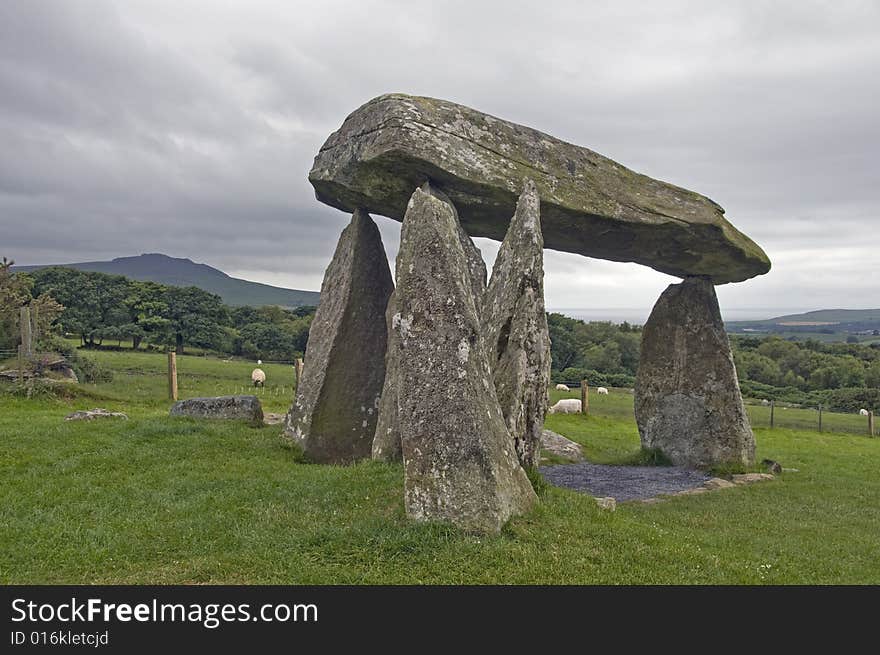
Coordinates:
[459,461]
[517,337]
[687,398]
[386,443]
[333,417]
[475,264]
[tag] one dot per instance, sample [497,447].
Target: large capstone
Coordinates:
[517,337]
[333,417]
[459,461]
[687,399]
[590,205]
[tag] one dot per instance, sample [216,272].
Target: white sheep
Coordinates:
[602,391]
[258,377]
[566,406]
[864,412]
[765,402]
[562,387]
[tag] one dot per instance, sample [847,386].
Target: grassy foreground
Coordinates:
[161,500]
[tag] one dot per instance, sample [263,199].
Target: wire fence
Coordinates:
[816,418]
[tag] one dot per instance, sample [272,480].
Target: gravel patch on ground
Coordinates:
[623,482]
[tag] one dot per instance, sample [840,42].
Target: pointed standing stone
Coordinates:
[475,264]
[517,337]
[459,461]
[333,417]
[386,443]
[687,398]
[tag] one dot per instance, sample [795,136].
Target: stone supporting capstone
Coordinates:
[517,336]
[333,416]
[687,398]
[459,461]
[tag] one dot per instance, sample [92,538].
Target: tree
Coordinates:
[94,303]
[147,312]
[872,375]
[196,317]
[16,291]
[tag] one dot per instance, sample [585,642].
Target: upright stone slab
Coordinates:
[517,337]
[687,398]
[333,417]
[459,461]
[475,264]
[386,442]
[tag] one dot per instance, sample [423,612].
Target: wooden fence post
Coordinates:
[25,324]
[298,366]
[172,375]
[870,424]
[820,417]
[772,407]
[585,397]
[21,363]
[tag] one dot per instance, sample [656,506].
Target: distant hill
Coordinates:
[179,272]
[825,324]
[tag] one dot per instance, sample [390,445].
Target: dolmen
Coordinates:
[447,371]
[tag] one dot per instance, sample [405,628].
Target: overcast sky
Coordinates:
[189,127]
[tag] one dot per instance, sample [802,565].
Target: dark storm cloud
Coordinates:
[189,128]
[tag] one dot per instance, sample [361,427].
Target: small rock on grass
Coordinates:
[749,478]
[90,414]
[271,418]
[718,483]
[772,466]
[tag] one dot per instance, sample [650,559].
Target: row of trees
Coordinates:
[602,352]
[806,365]
[100,308]
[844,376]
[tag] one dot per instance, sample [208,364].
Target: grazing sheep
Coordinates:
[602,391]
[258,377]
[566,406]
[765,402]
[864,412]
[562,387]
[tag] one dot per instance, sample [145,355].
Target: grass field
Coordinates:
[162,500]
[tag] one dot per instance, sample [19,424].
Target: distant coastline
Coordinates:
[638,315]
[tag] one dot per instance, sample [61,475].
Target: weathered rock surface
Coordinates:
[271,418]
[751,478]
[459,461]
[333,417]
[246,408]
[590,205]
[718,483]
[516,333]
[687,398]
[559,446]
[91,414]
[386,442]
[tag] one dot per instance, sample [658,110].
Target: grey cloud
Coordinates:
[189,128]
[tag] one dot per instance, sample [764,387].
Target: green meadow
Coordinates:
[161,500]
